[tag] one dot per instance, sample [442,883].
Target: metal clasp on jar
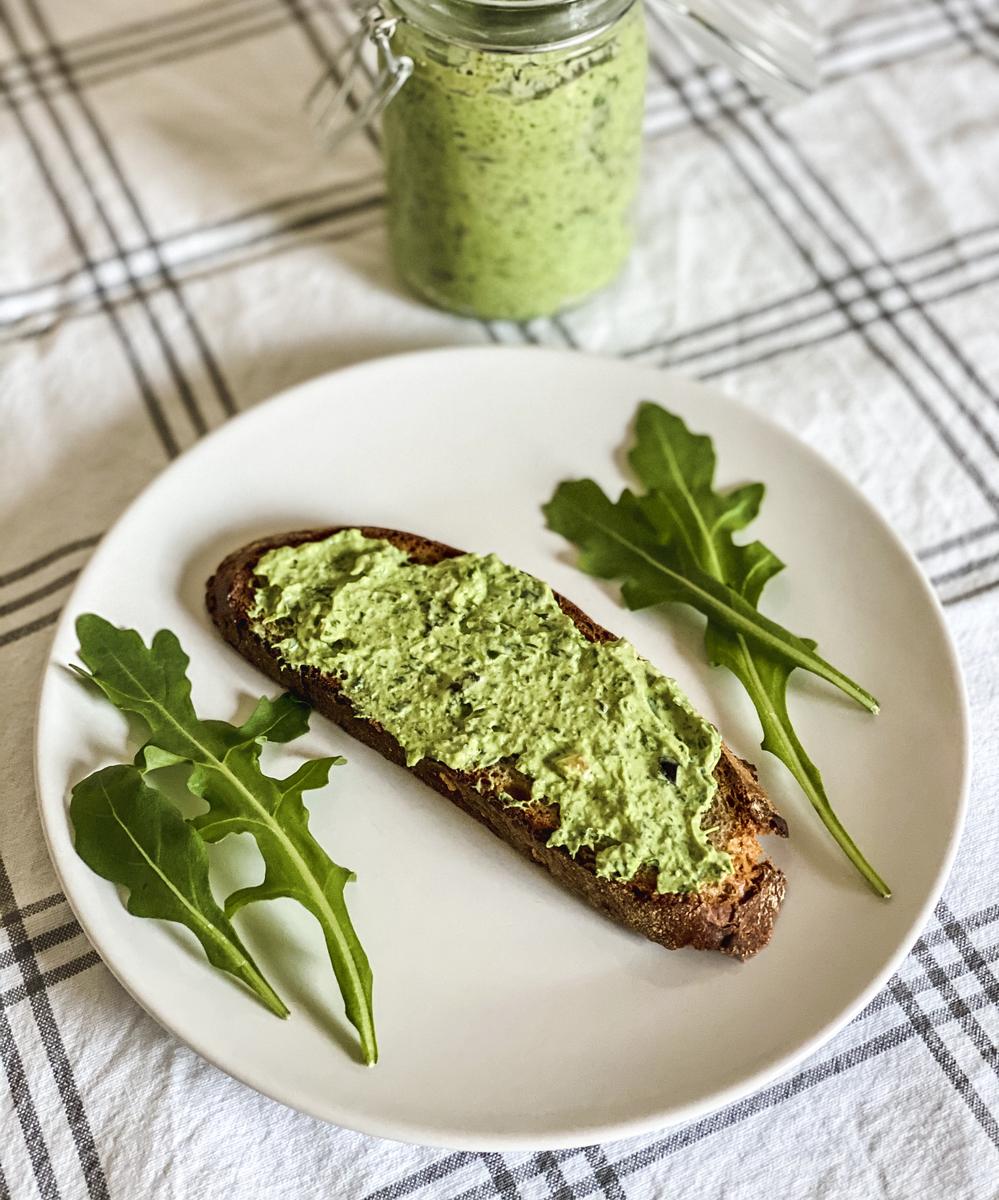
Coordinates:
[336,106]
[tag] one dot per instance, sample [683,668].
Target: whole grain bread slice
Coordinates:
[735,915]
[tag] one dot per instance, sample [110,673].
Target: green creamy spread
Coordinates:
[511,175]
[472,662]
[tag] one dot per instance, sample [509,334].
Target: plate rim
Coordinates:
[579,1136]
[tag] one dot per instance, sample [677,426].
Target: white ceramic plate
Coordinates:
[509,1014]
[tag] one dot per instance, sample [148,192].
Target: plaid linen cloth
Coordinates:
[176,248]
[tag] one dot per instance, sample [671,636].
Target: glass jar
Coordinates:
[512,132]
[512,151]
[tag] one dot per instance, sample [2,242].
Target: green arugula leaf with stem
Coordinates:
[152,682]
[616,541]
[131,834]
[674,543]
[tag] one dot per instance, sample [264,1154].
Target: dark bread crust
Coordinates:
[735,916]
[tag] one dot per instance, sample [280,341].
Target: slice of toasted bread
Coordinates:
[735,915]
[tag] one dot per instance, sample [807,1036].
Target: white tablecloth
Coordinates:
[175,248]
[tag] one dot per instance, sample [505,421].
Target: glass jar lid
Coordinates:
[528,26]
[769,44]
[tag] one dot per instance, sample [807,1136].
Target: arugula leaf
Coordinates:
[131,834]
[621,541]
[675,544]
[152,682]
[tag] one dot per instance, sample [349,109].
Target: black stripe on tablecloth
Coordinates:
[51,556]
[604,1173]
[502,1180]
[150,27]
[945,989]
[223,41]
[527,1171]
[955,15]
[854,229]
[208,359]
[46,980]
[562,326]
[25,599]
[896,58]
[23,631]
[972,592]
[433,1173]
[956,246]
[923,403]
[962,1085]
[27,1114]
[150,397]
[852,31]
[837,244]
[39,593]
[971,956]
[859,20]
[62,1071]
[978,588]
[549,1165]
[965,569]
[824,283]
[246,215]
[981,918]
[990,19]
[739,362]
[904,21]
[9,916]
[21,947]
[959,539]
[269,241]
[788,319]
[179,376]
[179,42]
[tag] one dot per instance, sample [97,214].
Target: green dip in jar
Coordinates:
[512,151]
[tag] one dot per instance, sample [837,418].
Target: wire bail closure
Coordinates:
[333,104]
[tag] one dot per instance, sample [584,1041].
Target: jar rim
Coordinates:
[513,26]
[520,5]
